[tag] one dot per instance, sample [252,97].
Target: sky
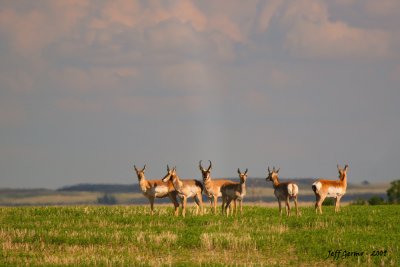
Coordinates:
[88,89]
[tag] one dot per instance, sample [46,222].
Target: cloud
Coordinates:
[311,33]
[31,30]
[183,47]
[230,74]
[336,40]
[382,8]
[23,30]
[133,14]
[121,13]
[228,27]
[266,14]
[186,11]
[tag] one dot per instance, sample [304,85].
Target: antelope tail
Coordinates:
[314,188]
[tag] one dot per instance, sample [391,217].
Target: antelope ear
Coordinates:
[346,167]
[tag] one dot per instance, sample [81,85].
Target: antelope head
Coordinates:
[272,175]
[205,173]
[342,172]
[170,174]
[140,173]
[242,176]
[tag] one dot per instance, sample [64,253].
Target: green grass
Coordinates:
[128,235]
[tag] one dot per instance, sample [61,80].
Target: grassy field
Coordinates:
[128,235]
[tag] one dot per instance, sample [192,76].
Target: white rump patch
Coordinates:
[317,185]
[293,190]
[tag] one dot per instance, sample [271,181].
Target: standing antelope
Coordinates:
[234,191]
[283,191]
[186,189]
[156,189]
[330,188]
[212,187]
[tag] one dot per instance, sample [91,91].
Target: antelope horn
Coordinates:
[201,167]
[209,168]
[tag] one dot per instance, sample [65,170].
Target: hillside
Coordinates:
[258,191]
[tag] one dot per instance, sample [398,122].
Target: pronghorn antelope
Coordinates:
[212,187]
[330,188]
[234,191]
[156,189]
[186,189]
[283,191]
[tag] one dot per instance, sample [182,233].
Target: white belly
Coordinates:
[335,191]
[159,191]
[188,191]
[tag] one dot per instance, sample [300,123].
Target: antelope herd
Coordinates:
[172,186]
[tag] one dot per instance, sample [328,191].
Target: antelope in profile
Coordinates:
[212,187]
[283,191]
[156,189]
[330,188]
[234,191]
[186,189]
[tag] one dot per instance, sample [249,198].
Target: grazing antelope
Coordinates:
[186,189]
[283,191]
[156,189]
[212,187]
[330,188]
[234,191]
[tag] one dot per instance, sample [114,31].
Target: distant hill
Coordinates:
[259,190]
[128,188]
[104,188]
[252,183]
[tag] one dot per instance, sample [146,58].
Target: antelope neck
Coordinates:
[275,182]
[176,182]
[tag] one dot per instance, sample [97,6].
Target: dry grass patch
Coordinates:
[161,239]
[229,241]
